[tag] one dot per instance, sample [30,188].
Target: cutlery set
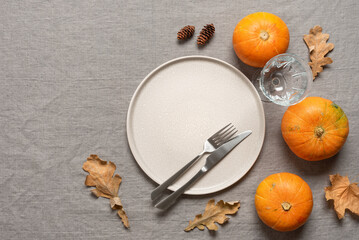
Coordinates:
[218,145]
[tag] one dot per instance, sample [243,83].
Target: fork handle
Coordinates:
[157,192]
[167,202]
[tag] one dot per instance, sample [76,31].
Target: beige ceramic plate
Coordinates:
[178,106]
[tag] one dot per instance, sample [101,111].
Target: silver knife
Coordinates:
[211,161]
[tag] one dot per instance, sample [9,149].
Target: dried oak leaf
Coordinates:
[212,214]
[318,47]
[107,185]
[344,194]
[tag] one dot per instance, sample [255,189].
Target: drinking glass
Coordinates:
[285,79]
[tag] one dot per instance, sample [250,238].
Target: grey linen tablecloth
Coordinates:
[68,70]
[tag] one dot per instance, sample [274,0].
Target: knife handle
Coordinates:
[165,203]
[157,192]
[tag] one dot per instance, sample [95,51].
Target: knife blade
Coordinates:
[226,148]
[211,161]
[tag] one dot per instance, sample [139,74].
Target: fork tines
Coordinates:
[224,134]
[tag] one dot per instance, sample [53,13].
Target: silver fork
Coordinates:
[211,144]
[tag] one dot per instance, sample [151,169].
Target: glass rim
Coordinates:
[305,64]
[302,62]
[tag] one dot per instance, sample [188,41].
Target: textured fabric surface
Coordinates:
[68,70]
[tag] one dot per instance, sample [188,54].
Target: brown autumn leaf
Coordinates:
[318,47]
[107,185]
[214,213]
[344,194]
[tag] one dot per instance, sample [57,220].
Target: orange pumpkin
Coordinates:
[283,201]
[258,37]
[315,129]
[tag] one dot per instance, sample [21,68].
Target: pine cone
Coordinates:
[205,34]
[185,33]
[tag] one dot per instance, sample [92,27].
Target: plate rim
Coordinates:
[130,138]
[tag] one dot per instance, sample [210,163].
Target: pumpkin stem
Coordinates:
[318,132]
[286,206]
[264,35]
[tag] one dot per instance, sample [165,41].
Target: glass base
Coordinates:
[255,82]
